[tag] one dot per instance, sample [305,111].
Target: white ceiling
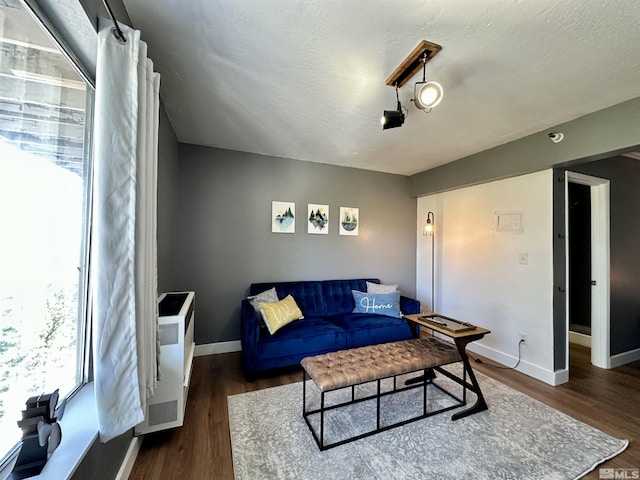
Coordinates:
[305,79]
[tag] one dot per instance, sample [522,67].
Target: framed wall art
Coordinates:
[318,219]
[349,221]
[283,217]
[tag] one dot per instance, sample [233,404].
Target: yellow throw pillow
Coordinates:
[279,314]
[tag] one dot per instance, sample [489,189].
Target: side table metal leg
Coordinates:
[480,404]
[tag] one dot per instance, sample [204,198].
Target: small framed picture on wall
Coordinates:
[318,219]
[283,217]
[349,221]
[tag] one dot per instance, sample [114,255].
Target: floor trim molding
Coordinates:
[219,347]
[625,357]
[535,371]
[130,458]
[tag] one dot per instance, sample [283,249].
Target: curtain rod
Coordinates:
[117,32]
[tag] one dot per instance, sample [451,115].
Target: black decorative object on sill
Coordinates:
[41,434]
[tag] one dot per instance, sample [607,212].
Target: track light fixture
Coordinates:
[393,118]
[427,95]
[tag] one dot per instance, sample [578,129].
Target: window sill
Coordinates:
[79,431]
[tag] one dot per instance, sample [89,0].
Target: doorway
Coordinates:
[596,296]
[579,240]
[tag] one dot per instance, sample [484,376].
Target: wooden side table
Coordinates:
[461,340]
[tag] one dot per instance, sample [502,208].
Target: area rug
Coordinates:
[517,438]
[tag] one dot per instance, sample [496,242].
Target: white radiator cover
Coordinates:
[166,408]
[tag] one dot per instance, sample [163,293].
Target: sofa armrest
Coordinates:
[409,306]
[249,336]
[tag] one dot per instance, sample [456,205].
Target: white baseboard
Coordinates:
[624,358]
[219,347]
[562,376]
[130,458]
[535,371]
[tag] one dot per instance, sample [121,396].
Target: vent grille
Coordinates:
[163,413]
[168,334]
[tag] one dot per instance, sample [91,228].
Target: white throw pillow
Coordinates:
[379,288]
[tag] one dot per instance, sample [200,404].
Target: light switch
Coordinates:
[523,258]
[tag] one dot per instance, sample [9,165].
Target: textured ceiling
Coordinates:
[305,79]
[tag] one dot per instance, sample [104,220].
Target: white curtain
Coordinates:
[124,256]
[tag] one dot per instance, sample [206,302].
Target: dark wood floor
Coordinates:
[606,399]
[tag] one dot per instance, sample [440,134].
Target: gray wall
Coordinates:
[224,240]
[595,136]
[167,201]
[103,460]
[559,272]
[624,174]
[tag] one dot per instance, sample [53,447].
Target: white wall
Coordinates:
[478,276]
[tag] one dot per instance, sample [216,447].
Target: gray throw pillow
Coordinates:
[268,296]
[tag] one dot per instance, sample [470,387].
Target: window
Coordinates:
[45,181]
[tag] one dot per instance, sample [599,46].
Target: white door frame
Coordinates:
[600,267]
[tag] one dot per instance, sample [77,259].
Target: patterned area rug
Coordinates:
[517,438]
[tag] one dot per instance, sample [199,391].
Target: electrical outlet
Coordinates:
[524,337]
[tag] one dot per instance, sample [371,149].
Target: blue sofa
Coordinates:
[328,324]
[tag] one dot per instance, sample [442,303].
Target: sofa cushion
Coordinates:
[308,295]
[369,329]
[309,336]
[377,303]
[337,294]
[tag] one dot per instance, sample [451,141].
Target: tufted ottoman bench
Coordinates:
[374,363]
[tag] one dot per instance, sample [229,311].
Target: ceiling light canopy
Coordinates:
[416,60]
